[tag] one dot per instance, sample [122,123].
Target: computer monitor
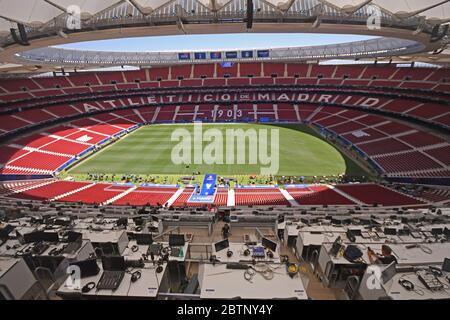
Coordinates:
[73,236]
[114,263]
[390,231]
[446,265]
[176,240]
[388,273]
[49,237]
[122,222]
[4,232]
[88,268]
[436,231]
[269,244]
[446,232]
[31,237]
[221,245]
[144,238]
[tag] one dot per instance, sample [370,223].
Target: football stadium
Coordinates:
[300,148]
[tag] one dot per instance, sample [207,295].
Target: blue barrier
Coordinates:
[65,165]
[12,177]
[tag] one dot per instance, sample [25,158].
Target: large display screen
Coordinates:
[247,54]
[226,64]
[184,56]
[215,55]
[263,53]
[200,55]
[231,54]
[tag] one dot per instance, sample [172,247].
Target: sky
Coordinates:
[213,42]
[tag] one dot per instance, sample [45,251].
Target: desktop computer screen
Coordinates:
[176,240]
[221,245]
[269,244]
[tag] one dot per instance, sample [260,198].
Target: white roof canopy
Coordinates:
[39,12]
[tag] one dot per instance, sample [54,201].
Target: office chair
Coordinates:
[46,281]
[314,259]
[5,293]
[351,287]
[99,252]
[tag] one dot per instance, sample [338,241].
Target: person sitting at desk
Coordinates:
[386,256]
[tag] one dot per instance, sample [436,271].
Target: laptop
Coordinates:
[113,272]
[176,240]
[388,273]
[155,249]
[221,245]
[144,239]
[259,252]
[88,268]
[446,265]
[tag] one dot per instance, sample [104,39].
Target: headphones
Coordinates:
[213,259]
[88,287]
[159,269]
[229,253]
[270,254]
[135,276]
[406,284]
[247,252]
[135,248]
[435,271]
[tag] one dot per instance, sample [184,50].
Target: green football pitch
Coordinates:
[148,151]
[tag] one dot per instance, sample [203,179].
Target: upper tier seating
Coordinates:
[375,194]
[147,195]
[97,194]
[259,196]
[50,191]
[114,194]
[318,195]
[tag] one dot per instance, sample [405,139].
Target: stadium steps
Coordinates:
[70,140]
[289,198]
[120,117]
[72,192]
[34,186]
[174,197]
[433,146]
[155,115]
[413,108]
[401,193]
[177,109]
[48,152]
[50,113]
[231,202]
[28,170]
[123,194]
[9,187]
[297,114]
[196,111]
[136,111]
[349,197]
[104,122]
[313,114]
[22,119]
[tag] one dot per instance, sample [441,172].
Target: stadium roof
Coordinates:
[49,22]
[39,12]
